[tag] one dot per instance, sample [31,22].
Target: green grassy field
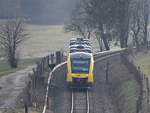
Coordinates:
[6,69]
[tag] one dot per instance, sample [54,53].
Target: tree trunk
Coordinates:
[12,61]
[89,35]
[100,43]
[123,39]
[145,34]
[106,43]
[104,38]
[25,108]
[137,42]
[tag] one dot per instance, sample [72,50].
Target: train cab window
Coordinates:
[80,66]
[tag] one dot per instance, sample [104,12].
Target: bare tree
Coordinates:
[112,19]
[92,17]
[135,22]
[12,34]
[80,22]
[145,12]
[122,20]
[139,21]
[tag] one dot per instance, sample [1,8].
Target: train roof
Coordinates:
[80,46]
[80,42]
[81,55]
[86,50]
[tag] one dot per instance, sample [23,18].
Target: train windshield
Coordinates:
[80,65]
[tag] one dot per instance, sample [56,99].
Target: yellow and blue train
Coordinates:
[80,66]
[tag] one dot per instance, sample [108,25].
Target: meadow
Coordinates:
[46,39]
[143,60]
[23,63]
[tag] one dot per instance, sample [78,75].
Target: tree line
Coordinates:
[38,11]
[112,20]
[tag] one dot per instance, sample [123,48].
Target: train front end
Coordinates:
[80,70]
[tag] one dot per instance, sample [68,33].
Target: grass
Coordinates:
[46,39]
[6,69]
[31,110]
[43,40]
[130,89]
[123,88]
[143,60]
[127,94]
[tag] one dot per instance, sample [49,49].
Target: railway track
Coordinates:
[80,101]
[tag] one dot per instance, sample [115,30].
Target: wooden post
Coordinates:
[144,79]
[34,78]
[47,63]
[52,58]
[62,57]
[107,70]
[147,85]
[48,103]
[58,57]
[137,106]
[25,107]
[148,95]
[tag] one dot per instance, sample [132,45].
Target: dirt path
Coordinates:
[12,85]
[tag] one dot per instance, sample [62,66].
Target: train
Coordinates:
[80,64]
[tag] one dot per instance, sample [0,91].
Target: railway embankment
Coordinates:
[122,86]
[118,94]
[140,60]
[128,86]
[60,94]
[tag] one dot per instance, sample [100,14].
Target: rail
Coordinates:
[98,57]
[48,84]
[80,102]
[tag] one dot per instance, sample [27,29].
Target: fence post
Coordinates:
[52,58]
[58,57]
[148,95]
[34,78]
[137,106]
[25,107]
[107,70]
[47,63]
